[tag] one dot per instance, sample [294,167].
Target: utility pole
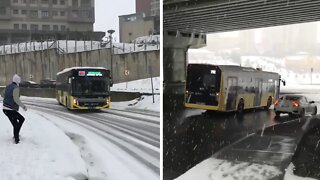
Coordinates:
[311,74]
[111,31]
[151,77]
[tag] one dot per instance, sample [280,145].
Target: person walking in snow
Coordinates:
[11,103]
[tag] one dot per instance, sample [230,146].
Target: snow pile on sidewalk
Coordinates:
[143,103]
[217,169]
[290,176]
[142,86]
[44,153]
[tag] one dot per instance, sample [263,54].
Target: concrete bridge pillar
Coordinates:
[175,62]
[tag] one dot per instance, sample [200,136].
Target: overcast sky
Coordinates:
[108,12]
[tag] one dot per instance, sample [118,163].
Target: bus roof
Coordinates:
[76,68]
[236,68]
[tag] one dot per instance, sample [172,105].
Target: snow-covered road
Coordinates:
[113,144]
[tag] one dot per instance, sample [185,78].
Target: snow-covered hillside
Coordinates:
[142,86]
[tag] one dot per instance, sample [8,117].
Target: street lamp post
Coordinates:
[111,31]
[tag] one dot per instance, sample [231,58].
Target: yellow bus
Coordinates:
[84,88]
[229,88]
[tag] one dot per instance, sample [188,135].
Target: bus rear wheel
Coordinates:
[240,108]
[269,102]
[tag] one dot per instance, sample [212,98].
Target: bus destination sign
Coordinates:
[89,73]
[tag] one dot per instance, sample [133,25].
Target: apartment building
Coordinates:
[146,21]
[22,20]
[143,6]
[155,8]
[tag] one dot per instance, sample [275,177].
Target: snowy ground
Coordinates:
[60,145]
[122,142]
[142,86]
[40,155]
[217,169]
[144,103]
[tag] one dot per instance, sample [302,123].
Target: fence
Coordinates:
[71,46]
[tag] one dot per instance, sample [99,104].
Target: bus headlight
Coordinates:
[75,101]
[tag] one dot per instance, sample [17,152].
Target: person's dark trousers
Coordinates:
[16,120]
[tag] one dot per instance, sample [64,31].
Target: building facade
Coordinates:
[146,21]
[136,25]
[23,20]
[143,6]
[155,8]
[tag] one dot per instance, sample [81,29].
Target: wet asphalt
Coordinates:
[191,136]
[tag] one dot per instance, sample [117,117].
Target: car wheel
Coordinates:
[302,113]
[314,111]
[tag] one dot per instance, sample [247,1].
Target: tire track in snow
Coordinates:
[140,150]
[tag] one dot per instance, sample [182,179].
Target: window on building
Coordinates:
[24,1]
[34,27]
[46,27]
[62,2]
[85,14]
[55,2]
[33,1]
[62,13]
[85,3]
[15,1]
[74,2]
[15,11]
[75,13]
[24,27]
[3,10]
[16,26]
[44,14]
[63,28]
[44,1]
[24,12]
[34,14]
[54,13]
[55,27]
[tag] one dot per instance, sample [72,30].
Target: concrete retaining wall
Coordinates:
[38,65]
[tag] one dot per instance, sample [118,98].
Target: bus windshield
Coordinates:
[89,86]
[201,77]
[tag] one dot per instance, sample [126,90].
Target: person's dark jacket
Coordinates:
[11,97]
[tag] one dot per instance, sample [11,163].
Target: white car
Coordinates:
[294,105]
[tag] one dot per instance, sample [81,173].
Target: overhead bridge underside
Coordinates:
[209,16]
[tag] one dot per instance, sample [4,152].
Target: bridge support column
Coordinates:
[175,56]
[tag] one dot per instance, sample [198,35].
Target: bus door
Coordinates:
[257,92]
[232,93]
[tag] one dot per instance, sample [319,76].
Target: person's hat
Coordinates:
[16,79]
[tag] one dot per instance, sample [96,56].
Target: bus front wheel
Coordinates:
[67,103]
